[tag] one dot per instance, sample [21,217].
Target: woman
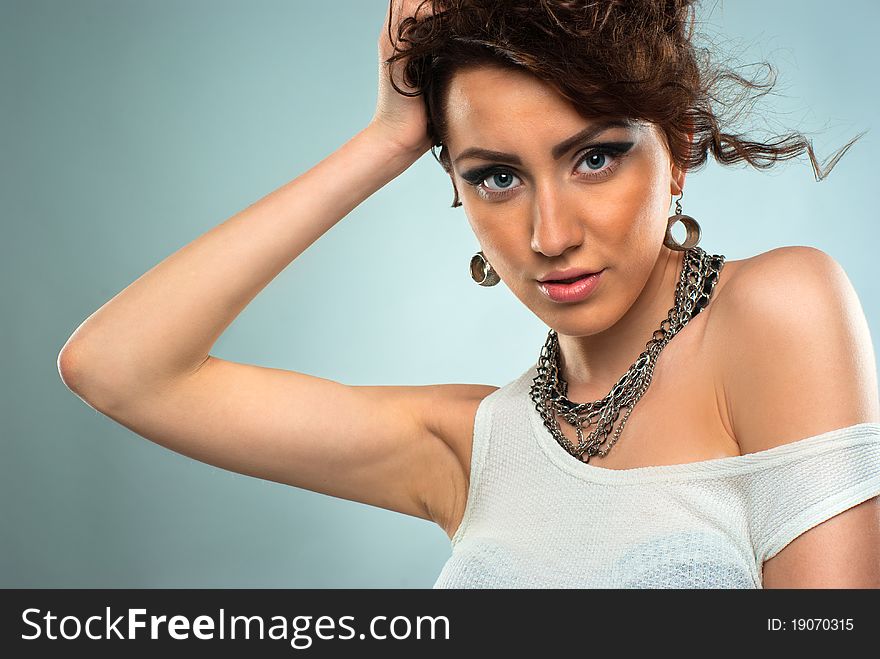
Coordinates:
[566,128]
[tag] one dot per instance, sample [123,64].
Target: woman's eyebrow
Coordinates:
[557,151]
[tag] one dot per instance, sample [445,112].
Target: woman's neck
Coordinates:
[592,364]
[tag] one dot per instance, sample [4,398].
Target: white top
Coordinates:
[537,517]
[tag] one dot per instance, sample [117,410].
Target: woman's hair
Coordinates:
[618,58]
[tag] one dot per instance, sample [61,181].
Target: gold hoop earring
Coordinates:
[482,271]
[690,224]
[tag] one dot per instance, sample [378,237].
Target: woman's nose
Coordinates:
[556,223]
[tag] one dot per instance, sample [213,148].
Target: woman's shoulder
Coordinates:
[773,287]
[794,351]
[766,272]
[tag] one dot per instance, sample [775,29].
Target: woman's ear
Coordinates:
[447,166]
[677,184]
[455,201]
[679,174]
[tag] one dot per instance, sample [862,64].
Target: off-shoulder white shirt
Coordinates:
[536,517]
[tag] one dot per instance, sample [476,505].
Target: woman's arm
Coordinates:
[164,324]
[142,359]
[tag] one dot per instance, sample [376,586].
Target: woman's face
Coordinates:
[597,202]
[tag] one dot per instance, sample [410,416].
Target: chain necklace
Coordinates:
[699,273]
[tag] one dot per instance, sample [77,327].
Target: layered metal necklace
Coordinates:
[699,273]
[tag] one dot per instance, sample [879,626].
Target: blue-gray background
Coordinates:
[127,129]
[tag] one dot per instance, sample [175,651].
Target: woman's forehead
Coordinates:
[494,106]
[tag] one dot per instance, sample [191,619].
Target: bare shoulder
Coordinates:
[792,259]
[783,288]
[795,352]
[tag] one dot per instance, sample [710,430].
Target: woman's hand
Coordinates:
[402,119]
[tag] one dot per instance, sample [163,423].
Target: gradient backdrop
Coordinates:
[130,128]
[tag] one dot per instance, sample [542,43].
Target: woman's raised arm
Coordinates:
[164,324]
[143,357]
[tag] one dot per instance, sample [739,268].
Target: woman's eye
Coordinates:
[595,161]
[503,180]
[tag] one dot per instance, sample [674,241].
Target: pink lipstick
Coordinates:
[573,291]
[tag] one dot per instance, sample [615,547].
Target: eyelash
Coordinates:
[476,177]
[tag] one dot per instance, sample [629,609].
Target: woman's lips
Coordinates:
[576,291]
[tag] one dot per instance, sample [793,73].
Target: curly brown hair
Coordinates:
[622,58]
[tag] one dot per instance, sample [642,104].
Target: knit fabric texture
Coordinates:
[537,517]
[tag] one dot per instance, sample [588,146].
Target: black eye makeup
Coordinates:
[597,162]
